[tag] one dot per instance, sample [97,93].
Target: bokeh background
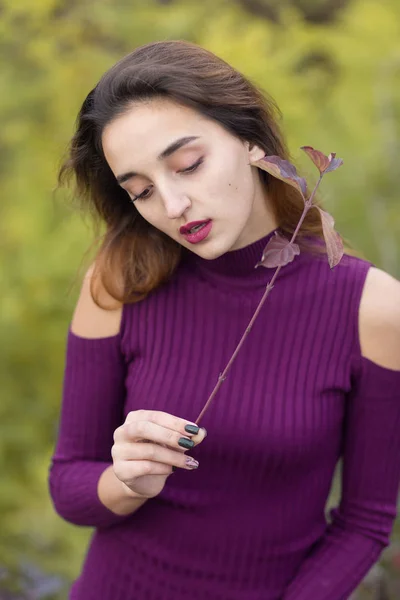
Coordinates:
[333,66]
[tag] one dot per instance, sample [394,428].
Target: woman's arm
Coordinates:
[362,524]
[83,487]
[116,496]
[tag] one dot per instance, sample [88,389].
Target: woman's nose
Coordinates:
[176,204]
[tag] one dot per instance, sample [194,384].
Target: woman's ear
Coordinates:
[255,153]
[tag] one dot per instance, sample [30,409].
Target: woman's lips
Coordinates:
[186,228]
[200,234]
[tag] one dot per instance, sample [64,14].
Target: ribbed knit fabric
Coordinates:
[249,523]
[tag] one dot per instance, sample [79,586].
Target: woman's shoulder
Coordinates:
[373,297]
[376,302]
[97,314]
[379,319]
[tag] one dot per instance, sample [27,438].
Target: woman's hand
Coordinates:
[146,447]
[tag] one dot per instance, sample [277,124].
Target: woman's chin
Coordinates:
[210,250]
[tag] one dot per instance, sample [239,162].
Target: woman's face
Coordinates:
[179,167]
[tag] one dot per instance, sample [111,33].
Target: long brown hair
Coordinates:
[134,258]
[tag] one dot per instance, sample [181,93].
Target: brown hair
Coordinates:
[134,258]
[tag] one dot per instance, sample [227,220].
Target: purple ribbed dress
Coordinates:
[249,523]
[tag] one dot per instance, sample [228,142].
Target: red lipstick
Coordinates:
[196,231]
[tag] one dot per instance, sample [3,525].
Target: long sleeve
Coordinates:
[362,524]
[92,408]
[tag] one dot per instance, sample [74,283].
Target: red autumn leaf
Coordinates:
[278,252]
[324,163]
[284,170]
[333,241]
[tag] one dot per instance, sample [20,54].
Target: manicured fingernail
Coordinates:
[191,462]
[185,443]
[192,429]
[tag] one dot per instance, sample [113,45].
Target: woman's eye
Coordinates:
[192,167]
[147,192]
[143,196]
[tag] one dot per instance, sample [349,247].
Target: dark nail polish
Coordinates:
[185,443]
[192,429]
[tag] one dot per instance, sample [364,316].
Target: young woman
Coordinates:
[164,154]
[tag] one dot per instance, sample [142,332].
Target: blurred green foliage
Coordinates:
[338,86]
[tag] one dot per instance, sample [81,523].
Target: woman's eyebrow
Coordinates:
[175,146]
[164,154]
